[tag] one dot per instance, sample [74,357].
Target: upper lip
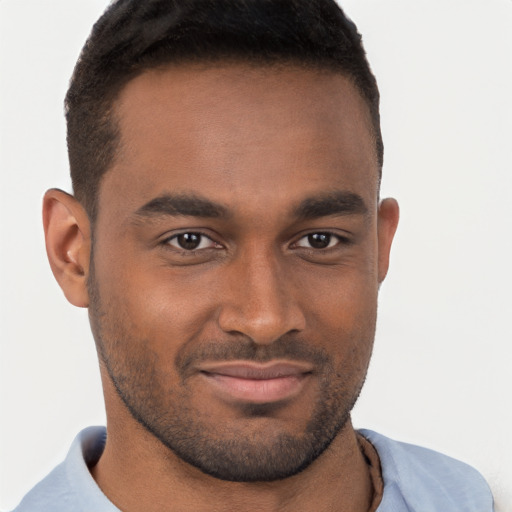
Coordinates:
[257,371]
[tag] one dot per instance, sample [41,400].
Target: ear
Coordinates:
[387,223]
[68,244]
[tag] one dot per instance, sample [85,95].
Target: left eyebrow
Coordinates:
[333,203]
[187,205]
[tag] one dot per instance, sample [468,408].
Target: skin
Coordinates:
[259,143]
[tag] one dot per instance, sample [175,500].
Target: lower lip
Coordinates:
[257,391]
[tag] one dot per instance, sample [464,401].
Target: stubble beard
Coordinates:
[224,452]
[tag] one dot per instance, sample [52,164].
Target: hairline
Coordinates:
[111,100]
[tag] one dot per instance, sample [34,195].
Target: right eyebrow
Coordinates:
[338,202]
[188,205]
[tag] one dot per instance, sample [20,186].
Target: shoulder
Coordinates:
[51,490]
[425,480]
[70,486]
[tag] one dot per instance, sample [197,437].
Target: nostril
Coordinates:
[264,325]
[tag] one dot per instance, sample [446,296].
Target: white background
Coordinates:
[441,374]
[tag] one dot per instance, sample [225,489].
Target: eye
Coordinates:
[191,241]
[318,241]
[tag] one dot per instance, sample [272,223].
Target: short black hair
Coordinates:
[136,35]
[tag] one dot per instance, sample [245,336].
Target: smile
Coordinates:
[256,383]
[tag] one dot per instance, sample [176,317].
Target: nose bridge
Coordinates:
[261,304]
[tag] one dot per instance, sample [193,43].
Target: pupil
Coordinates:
[319,240]
[189,240]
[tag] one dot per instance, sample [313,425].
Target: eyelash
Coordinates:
[202,237]
[339,240]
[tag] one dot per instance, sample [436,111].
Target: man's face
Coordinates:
[236,263]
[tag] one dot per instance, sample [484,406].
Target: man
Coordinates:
[227,236]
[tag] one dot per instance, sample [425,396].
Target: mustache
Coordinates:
[290,347]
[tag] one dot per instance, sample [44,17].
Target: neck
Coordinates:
[137,473]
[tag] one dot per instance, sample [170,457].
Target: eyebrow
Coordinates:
[181,205]
[190,205]
[333,203]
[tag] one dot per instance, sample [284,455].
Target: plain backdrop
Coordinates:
[441,372]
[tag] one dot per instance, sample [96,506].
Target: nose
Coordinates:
[260,300]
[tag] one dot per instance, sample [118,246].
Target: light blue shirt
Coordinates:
[415,480]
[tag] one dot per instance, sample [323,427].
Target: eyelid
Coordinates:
[213,243]
[341,239]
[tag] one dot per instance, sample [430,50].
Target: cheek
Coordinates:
[341,315]
[163,309]
[341,298]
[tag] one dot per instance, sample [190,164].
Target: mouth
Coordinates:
[249,382]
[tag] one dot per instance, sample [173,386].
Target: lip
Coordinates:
[256,383]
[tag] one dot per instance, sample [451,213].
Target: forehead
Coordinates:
[233,131]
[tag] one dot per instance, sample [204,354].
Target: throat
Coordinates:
[148,477]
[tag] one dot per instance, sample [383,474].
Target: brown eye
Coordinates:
[318,241]
[191,241]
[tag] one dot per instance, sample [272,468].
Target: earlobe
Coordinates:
[68,244]
[388,216]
